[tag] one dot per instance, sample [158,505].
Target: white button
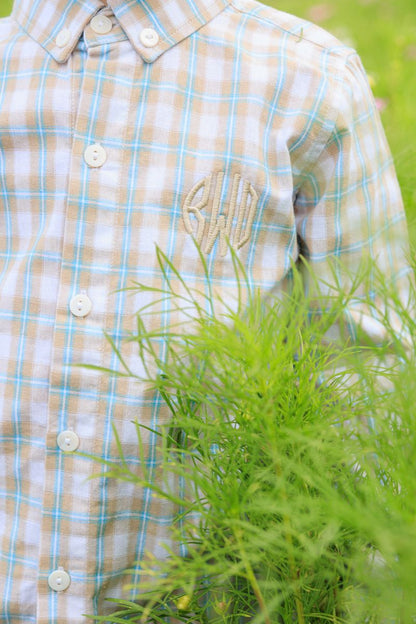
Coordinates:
[80,305]
[149,37]
[59,580]
[95,155]
[101,24]
[68,441]
[63,38]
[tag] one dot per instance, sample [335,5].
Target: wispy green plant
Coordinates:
[292,460]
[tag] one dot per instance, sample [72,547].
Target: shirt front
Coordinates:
[126,125]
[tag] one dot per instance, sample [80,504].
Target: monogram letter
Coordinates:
[196,210]
[247,210]
[219,225]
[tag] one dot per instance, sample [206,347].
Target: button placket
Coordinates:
[89,188]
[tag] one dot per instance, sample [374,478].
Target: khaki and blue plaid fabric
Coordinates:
[239,124]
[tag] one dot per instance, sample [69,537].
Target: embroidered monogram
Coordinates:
[233,221]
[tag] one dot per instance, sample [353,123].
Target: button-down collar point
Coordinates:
[80,15]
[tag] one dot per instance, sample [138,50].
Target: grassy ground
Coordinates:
[384,33]
[5,7]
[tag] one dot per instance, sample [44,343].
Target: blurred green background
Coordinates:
[384,33]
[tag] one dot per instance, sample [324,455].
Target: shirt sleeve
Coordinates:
[349,211]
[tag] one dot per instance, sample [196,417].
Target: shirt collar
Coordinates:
[173,20]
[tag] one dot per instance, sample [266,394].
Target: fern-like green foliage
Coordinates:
[293,460]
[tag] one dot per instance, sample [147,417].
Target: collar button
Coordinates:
[149,38]
[63,38]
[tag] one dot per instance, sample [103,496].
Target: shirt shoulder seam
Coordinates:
[341,51]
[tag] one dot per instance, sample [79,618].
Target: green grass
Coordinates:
[5,7]
[299,500]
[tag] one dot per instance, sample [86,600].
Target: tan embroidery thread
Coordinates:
[221,221]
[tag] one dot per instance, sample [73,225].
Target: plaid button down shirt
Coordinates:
[167,121]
